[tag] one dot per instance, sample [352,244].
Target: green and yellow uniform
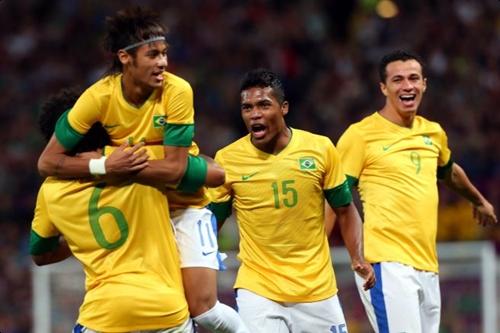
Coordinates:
[279,204]
[177,199]
[124,239]
[167,116]
[396,170]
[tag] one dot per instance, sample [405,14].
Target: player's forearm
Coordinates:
[162,172]
[457,180]
[351,229]
[54,162]
[63,166]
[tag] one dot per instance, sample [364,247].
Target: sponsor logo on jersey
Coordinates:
[159,121]
[386,147]
[307,163]
[247,177]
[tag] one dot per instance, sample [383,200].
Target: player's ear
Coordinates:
[383,88]
[123,56]
[425,84]
[284,108]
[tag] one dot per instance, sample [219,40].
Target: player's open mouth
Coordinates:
[158,75]
[258,131]
[407,99]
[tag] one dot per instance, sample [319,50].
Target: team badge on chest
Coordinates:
[158,121]
[307,163]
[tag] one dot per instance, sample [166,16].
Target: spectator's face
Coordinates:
[263,115]
[404,86]
[147,66]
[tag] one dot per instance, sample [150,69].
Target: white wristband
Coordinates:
[97,166]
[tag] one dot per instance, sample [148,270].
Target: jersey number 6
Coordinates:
[95,213]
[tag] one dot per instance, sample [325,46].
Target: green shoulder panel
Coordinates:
[353,181]
[443,170]
[65,134]
[178,135]
[339,196]
[39,245]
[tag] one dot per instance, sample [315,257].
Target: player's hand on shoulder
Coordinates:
[126,159]
[484,213]
[365,270]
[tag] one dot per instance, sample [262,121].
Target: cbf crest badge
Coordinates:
[159,121]
[307,163]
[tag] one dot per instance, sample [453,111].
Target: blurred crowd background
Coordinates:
[326,51]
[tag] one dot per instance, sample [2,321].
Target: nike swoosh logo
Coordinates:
[207,253]
[385,148]
[111,126]
[247,177]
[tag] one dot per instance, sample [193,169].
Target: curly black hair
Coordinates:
[129,26]
[56,105]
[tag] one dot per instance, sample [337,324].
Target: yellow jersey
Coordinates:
[166,117]
[279,204]
[176,199]
[123,237]
[395,169]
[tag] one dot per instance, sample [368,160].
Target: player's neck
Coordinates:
[277,143]
[133,93]
[404,119]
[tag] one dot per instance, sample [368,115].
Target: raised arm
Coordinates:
[352,233]
[456,179]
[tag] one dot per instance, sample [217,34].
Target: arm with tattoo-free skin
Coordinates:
[457,180]
[54,161]
[351,229]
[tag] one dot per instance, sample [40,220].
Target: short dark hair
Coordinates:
[262,78]
[395,56]
[57,104]
[128,26]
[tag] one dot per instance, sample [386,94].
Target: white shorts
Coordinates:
[196,235]
[262,315]
[403,300]
[186,327]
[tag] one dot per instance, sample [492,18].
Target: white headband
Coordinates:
[142,42]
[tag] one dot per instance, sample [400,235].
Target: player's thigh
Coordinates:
[196,235]
[430,309]
[393,304]
[262,315]
[321,316]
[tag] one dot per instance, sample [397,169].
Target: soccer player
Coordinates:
[395,158]
[139,101]
[121,234]
[277,180]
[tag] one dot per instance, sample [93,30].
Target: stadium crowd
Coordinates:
[326,51]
